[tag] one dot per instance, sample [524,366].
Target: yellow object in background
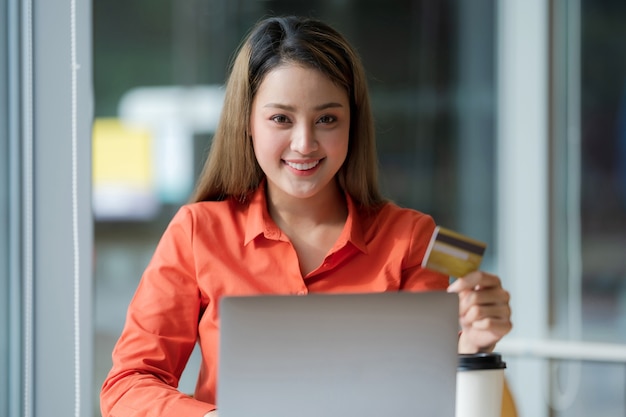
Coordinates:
[508,404]
[121,154]
[123,172]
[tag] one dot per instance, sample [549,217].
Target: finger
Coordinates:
[499,326]
[486,297]
[473,280]
[480,313]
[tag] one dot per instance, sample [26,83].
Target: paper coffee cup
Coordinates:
[479,382]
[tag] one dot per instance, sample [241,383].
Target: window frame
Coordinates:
[48,215]
[522,194]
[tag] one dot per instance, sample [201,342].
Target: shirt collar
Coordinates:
[259,222]
[353,229]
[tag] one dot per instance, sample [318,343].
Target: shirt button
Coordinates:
[301,292]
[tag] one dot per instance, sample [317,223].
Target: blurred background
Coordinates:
[432,65]
[441,75]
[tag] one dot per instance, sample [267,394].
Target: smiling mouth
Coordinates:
[303,167]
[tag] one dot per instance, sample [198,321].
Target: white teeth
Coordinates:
[303,167]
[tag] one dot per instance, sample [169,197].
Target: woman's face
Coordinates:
[300,126]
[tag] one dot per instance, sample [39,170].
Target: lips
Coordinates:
[303,166]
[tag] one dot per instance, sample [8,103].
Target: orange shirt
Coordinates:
[212,249]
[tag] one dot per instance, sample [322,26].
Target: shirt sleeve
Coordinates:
[159,335]
[414,277]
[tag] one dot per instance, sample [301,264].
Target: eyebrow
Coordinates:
[292,108]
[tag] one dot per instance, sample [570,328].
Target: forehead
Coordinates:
[293,82]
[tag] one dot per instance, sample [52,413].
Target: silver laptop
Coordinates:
[363,355]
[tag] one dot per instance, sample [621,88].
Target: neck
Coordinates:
[327,207]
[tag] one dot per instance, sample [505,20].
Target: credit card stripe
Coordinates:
[451,250]
[463,244]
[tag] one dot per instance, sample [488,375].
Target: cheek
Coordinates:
[340,144]
[257,146]
[256,136]
[265,145]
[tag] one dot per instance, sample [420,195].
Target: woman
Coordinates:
[287,203]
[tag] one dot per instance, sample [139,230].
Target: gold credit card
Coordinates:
[452,253]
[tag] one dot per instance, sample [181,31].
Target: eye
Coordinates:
[280,119]
[326,119]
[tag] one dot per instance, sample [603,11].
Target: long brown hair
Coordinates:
[231,168]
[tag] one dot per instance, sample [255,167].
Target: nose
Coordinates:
[303,140]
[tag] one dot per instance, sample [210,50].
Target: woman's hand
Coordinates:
[484,312]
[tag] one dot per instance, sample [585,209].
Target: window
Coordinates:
[561,213]
[588,218]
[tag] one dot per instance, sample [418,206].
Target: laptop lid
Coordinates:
[338,355]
